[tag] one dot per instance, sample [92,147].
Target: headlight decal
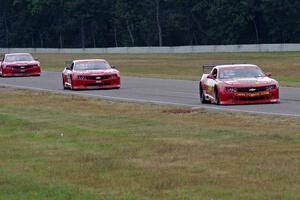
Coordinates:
[271,87]
[231,89]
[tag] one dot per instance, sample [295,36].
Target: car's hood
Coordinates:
[21,63]
[97,72]
[241,82]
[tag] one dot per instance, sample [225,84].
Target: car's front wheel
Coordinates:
[217,98]
[202,95]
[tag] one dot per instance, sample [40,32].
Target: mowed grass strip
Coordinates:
[285,67]
[67,147]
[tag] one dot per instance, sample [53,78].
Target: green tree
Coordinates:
[107,23]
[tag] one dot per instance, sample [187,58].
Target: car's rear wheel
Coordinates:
[217,98]
[202,95]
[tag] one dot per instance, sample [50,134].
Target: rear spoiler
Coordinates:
[68,63]
[208,67]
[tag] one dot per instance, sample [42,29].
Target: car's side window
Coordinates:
[72,66]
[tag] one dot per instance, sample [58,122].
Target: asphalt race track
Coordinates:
[158,91]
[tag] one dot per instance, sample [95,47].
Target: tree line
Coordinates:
[118,23]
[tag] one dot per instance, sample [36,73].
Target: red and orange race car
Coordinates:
[90,74]
[237,84]
[19,64]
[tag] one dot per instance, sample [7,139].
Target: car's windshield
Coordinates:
[240,73]
[91,65]
[20,58]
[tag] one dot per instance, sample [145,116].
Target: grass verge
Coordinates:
[285,67]
[66,147]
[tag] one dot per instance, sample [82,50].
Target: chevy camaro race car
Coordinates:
[90,74]
[237,84]
[19,64]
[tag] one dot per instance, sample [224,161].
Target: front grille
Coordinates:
[23,67]
[96,78]
[96,84]
[252,89]
[27,71]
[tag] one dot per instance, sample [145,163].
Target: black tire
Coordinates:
[201,95]
[217,99]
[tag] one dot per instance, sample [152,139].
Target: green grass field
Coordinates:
[66,147]
[285,67]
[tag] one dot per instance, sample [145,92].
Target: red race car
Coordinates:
[237,84]
[19,64]
[90,74]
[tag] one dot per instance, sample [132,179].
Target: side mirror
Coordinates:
[210,76]
[112,66]
[36,59]
[268,74]
[68,68]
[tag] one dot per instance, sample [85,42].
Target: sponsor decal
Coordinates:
[209,89]
[256,94]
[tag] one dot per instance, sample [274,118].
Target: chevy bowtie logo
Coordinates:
[252,90]
[22,67]
[98,78]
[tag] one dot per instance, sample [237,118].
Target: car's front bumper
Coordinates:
[11,72]
[250,98]
[97,84]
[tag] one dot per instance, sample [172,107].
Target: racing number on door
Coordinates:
[210,86]
[211,82]
[69,75]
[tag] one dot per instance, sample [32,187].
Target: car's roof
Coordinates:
[89,60]
[234,65]
[16,54]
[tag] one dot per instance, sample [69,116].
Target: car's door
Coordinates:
[211,82]
[69,73]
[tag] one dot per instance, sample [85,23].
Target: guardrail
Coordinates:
[167,50]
